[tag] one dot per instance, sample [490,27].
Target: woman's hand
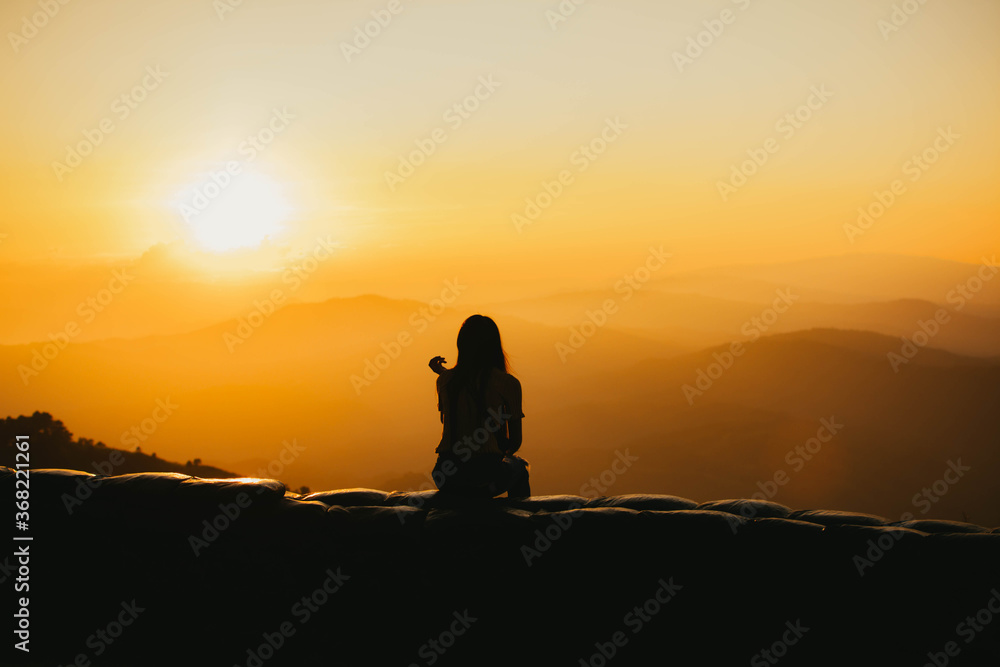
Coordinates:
[437,365]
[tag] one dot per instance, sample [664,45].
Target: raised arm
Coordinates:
[439,385]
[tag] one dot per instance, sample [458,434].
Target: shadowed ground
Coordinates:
[162,568]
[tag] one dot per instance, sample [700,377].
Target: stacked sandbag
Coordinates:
[163,568]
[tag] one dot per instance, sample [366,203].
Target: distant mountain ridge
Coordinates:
[622,387]
[194,305]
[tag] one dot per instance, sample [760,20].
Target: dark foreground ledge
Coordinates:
[154,569]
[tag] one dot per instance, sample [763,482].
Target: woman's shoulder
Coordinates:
[505,379]
[444,376]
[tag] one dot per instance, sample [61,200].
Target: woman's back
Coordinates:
[479,424]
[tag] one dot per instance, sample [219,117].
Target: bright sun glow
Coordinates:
[238,213]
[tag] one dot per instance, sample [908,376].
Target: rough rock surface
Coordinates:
[162,568]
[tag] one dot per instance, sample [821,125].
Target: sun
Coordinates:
[231,211]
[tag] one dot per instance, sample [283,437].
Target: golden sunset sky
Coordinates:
[346,115]
[180,161]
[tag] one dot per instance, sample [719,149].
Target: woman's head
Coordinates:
[479,345]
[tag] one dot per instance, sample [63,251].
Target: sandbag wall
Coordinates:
[151,569]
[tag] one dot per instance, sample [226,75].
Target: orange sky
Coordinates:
[162,96]
[168,167]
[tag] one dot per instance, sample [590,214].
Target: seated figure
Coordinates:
[480,406]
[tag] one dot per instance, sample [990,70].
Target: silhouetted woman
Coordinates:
[480,405]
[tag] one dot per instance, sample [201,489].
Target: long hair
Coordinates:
[479,352]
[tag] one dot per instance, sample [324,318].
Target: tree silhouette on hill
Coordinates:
[53,446]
